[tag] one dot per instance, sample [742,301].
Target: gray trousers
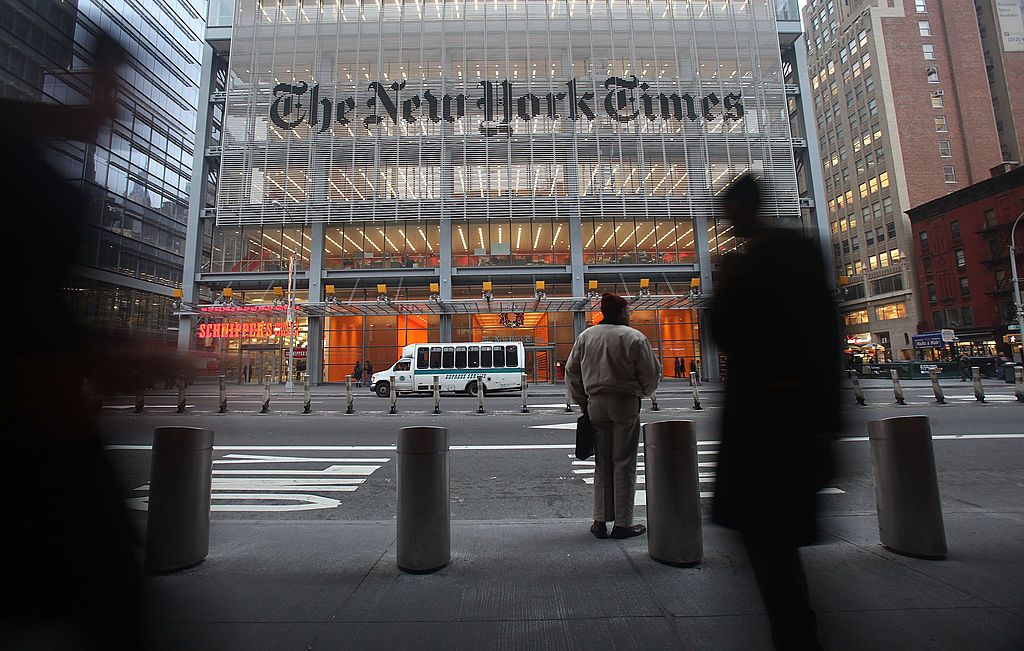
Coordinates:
[616,421]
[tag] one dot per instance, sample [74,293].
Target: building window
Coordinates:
[890,230]
[961,261]
[965,289]
[929,51]
[990,218]
[887,285]
[931,294]
[891,311]
[945,149]
[950,173]
[924,240]
[872,107]
[869,237]
[855,317]
[938,98]
[924,28]
[937,320]
[967,316]
[954,230]
[855,243]
[940,123]
[853,292]
[927,263]
[933,74]
[919,7]
[873,262]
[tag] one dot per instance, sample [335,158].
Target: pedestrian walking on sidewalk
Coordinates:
[965,368]
[679,367]
[611,367]
[777,425]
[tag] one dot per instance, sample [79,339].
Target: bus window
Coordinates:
[474,357]
[460,357]
[512,356]
[499,357]
[435,357]
[423,357]
[448,357]
[485,357]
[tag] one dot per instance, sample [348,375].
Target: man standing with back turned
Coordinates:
[611,367]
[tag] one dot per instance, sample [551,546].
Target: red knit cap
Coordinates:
[612,304]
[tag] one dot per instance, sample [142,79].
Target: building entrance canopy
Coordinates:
[469,306]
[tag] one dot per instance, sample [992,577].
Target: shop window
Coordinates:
[891,311]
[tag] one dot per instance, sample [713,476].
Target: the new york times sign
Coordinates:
[624,100]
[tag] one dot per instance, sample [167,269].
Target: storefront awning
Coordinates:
[428,307]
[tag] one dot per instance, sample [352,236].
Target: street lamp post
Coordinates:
[289,386]
[1016,287]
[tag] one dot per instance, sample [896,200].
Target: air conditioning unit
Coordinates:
[806,202]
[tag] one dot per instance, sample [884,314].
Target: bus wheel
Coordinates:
[383,389]
[471,389]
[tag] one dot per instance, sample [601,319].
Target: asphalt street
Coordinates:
[506,465]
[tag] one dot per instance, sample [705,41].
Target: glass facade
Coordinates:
[438,146]
[136,176]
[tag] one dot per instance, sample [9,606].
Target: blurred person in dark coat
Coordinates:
[779,419]
[71,577]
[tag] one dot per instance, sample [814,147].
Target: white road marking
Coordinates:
[333,470]
[258,458]
[303,502]
[147,406]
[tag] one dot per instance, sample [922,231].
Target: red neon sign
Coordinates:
[256,329]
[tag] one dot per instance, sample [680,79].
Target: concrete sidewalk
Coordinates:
[549,584]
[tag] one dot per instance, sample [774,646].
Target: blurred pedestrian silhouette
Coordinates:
[611,367]
[71,578]
[779,419]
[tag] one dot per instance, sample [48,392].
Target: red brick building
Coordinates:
[962,262]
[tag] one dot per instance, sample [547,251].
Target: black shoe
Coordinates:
[600,530]
[629,532]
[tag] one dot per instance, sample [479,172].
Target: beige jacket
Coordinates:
[611,359]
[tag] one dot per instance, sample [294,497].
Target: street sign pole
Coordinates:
[289,386]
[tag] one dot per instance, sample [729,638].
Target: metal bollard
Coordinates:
[423,516]
[979,391]
[568,399]
[223,396]
[654,401]
[939,397]
[897,388]
[178,520]
[307,404]
[140,400]
[181,394]
[394,396]
[265,408]
[906,486]
[437,395]
[1018,388]
[480,394]
[674,534]
[858,392]
[525,409]
[696,391]
[348,395]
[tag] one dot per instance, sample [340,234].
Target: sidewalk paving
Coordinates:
[548,584]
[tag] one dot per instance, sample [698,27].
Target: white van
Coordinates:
[456,366]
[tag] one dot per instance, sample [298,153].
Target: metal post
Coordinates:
[423,513]
[674,533]
[480,393]
[897,388]
[178,518]
[696,391]
[525,409]
[307,405]
[1018,388]
[654,401]
[858,392]
[939,398]
[140,400]
[289,386]
[437,395]
[266,395]
[348,395]
[568,399]
[394,396]
[223,395]
[181,394]
[979,391]
[907,487]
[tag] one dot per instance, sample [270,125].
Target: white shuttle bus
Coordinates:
[456,366]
